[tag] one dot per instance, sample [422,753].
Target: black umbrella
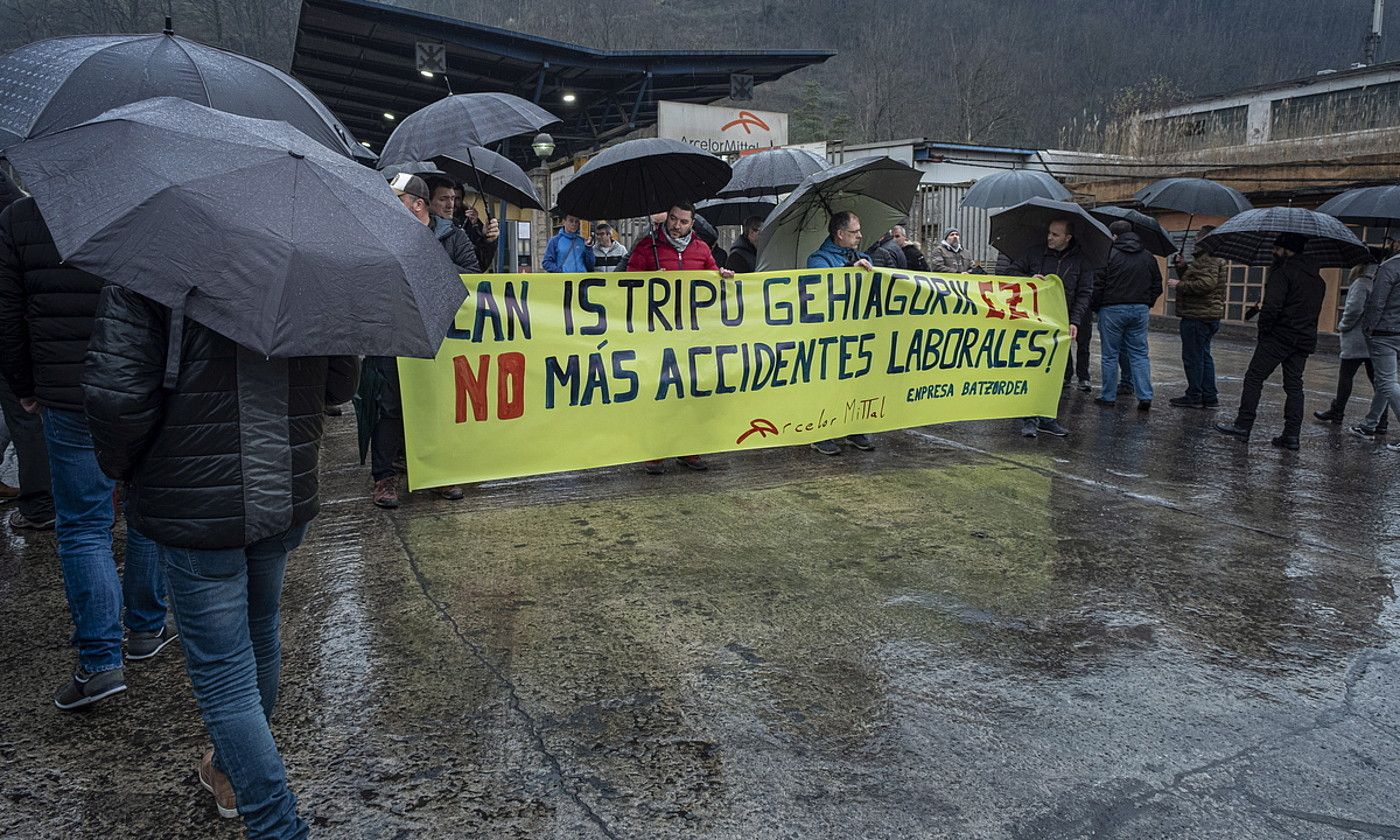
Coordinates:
[733,211]
[248,226]
[1018,229]
[1149,230]
[1007,189]
[639,177]
[1249,237]
[58,83]
[455,122]
[1193,196]
[494,175]
[771,171]
[1370,206]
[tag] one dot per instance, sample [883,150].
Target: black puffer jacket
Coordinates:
[1293,297]
[1068,264]
[743,256]
[888,254]
[1132,276]
[46,311]
[229,455]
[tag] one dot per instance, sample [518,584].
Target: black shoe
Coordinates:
[1030,427]
[84,689]
[1364,431]
[827,447]
[145,645]
[1186,402]
[1232,430]
[1210,404]
[1051,426]
[1103,402]
[1084,385]
[654,467]
[861,442]
[694,462]
[1124,388]
[1328,416]
[1144,405]
[1286,442]
[334,411]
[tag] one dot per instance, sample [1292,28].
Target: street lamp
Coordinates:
[543,145]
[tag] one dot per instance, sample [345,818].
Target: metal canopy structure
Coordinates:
[360,58]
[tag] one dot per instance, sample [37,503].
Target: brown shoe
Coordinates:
[386,492]
[8,492]
[218,784]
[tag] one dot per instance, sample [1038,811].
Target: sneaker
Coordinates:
[1051,426]
[386,492]
[695,462]
[1186,402]
[1104,402]
[145,645]
[8,492]
[452,493]
[20,522]
[1286,442]
[861,442]
[1364,431]
[1144,405]
[1124,388]
[1030,427]
[1210,404]
[84,689]
[1084,385]
[654,467]
[1328,416]
[827,447]
[1393,447]
[1233,431]
[219,785]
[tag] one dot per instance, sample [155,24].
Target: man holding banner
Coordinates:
[839,251]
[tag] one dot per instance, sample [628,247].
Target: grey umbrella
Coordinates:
[1193,196]
[1154,238]
[772,171]
[1006,189]
[54,84]
[247,226]
[638,177]
[879,190]
[1018,229]
[1249,237]
[733,211]
[456,122]
[495,175]
[1370,206]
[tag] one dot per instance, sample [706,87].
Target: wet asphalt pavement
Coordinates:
[1143,630]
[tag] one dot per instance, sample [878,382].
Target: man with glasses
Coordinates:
[842,250]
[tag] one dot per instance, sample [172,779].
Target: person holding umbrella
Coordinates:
[1200,302]
[842,250]
[1293,299]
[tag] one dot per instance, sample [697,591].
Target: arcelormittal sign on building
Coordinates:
[721,130]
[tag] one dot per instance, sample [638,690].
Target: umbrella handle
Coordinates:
[479,190]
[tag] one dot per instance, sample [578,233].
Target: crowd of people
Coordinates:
[211,451]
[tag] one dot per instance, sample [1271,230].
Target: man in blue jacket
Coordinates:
[841,250]
[567,251]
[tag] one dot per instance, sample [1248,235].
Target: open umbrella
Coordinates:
[1006,189]
[58,83]
[1369,206]
[1249,237]
[879,190]
[494,175]
[1018,229]
[1149,230]
[247,226]
[733,211]
[771,171]
[456,122]
[1193,196]
[638,177]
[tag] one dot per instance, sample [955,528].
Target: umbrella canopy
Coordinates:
[455,122]
[879,190]
[1249,237]
[493,174]
[1196,196]
[54,84]
[1018,229]
[733,211]
[1149,230]
[772,171]
[639,177]
[253,229]
[1369,206]
[1006,189]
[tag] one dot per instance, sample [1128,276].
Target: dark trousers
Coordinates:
[1197,360]
[1345,375]
[1080,369]
[35,501]
[1268,356]
[386,446]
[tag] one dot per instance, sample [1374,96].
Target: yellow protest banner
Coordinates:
[550,372]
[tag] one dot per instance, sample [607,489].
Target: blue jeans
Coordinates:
[226,604]
[82,499]
[1123,329]
[1197,360]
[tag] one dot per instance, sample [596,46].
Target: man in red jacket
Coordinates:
[673,246]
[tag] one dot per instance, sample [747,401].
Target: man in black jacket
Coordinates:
[743,256]
[1060,255]
[1129,286]
[888,254]
[1287,336]
[46,318]
[221,473]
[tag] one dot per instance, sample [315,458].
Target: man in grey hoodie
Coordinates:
[1381,325]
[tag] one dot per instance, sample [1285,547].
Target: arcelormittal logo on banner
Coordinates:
[722,130]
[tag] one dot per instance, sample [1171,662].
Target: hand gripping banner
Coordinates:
[550,372]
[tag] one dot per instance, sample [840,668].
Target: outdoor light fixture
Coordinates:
[388,116]
[364,143]
[426,73]
[543,145]
[569,97]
